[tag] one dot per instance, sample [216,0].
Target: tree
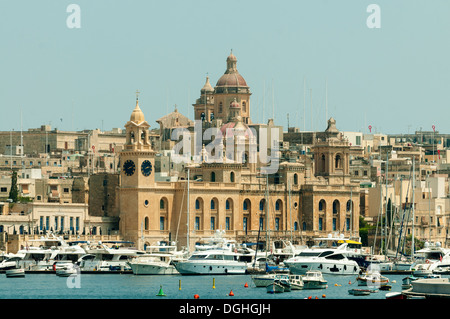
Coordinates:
[14,192]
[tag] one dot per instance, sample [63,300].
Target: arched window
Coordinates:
[213,177]
[278,205]
[322,205]
[245,205]
[146,223]
[349,206]
[220,107]
[213,204]
[336,207]
[232,177]
[197,204]
[162,204]
[227,205]
[295,179]
[244,106]
[261,205]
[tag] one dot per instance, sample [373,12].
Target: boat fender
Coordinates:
[427,261]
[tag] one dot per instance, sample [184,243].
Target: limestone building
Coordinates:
[224,186]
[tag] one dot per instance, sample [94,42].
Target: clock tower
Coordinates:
[137,181]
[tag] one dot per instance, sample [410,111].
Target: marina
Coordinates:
[128,286]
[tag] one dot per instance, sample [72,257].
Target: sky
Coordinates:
[304,60]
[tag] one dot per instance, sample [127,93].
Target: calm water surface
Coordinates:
[129,286]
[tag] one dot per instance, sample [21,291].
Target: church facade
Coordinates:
[296,200]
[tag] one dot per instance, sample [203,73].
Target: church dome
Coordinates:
[137,116]
[231,77]
[207,87]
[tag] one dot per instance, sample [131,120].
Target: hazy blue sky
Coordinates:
[395,78]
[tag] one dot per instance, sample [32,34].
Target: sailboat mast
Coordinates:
[412,201]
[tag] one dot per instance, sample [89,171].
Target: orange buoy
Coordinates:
[324,296]
[196,296]
[246,285]
[309,297]
[349,282]
[317,297]
[231,293]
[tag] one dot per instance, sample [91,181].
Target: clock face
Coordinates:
[129,167]
[146,168]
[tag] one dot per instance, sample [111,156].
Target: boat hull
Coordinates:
[11,273]
[201,268]
[153,269]
[274,288]
[336,268]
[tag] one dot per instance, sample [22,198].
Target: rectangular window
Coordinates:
[277,223]
[213,223]
[348,223]
[4,190]
[77,224]
[197,223]
[161,223]
[62,223]
[227,223]
[334,223]
[71,223]
[320,224]
[47,222]
[41,223]
[261,223]
[245,224]
[56,222]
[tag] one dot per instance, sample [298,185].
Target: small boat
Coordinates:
[313,279]
[67,271]
[360,292]
[296,282]
[262,280]
[284,281]
[373,278]
[395,295]
[15,272]
[274,288]
[385,287]
[406,282]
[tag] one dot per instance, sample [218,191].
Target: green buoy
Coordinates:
[160,293]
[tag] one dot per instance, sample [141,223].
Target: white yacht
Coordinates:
[109,256]
[433,255]
[212,262]
[159,260]
[43,253]
[328,262]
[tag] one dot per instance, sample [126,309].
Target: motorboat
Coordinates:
[360,292]
[296,282]
[274,287]
[314,279]
[109,256]
[159,260]
[262,280]
[328,262]
[429,258]
[10,263]
[429,288]
[423,269]
[372,279]
[15,272]
[68,270]
[41,254]
[212,262]
[283,280]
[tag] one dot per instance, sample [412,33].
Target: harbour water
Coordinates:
[129,286]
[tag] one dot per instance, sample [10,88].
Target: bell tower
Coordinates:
[137,181]
[137,158]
